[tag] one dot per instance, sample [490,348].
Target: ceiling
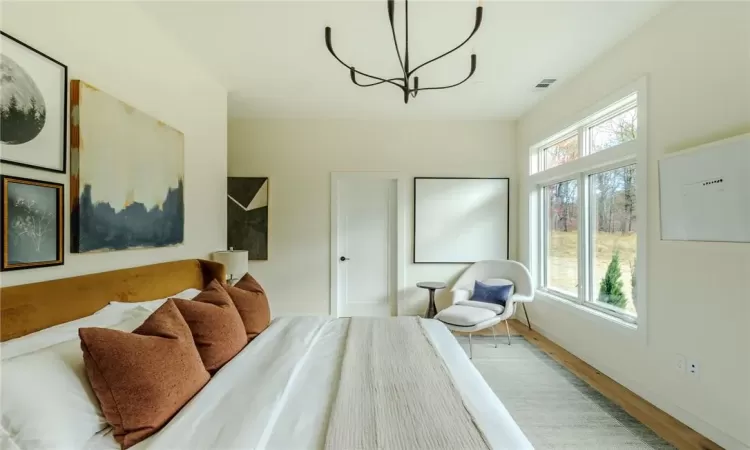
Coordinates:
[272,58]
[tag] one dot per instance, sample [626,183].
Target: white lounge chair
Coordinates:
[467,316]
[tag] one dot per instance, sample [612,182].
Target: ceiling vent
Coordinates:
[545,83]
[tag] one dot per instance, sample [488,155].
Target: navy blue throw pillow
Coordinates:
[491,294]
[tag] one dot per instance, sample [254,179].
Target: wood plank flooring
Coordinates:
[669,428]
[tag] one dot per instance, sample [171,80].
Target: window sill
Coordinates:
[586,312]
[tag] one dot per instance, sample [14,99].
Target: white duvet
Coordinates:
[277,394]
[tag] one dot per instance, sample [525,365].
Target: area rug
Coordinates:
[553,407]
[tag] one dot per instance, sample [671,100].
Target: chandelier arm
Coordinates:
[473,69]
[351,68]
[380,82]
[352,73]
[407,74]
[477,23]
[393,32]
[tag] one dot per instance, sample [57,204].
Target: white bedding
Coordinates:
[394,392]
[277,394]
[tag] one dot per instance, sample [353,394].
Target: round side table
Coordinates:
[431,286]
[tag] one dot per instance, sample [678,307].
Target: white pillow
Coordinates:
[105,317]
[47,401]
[153,305]
[110,315]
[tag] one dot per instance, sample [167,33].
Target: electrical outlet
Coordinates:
[680,363]
[693,368]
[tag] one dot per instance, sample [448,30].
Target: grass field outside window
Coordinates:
[563,261]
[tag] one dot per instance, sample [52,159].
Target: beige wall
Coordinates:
[116,47]
[299,156]
[697,60]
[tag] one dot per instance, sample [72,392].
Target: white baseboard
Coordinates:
[696,423]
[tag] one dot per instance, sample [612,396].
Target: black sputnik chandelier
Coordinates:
[404,82]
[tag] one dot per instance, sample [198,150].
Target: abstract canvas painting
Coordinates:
[126,177]
[247,216]
[33,92]
[32,223]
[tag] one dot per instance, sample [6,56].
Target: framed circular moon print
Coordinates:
[33,113]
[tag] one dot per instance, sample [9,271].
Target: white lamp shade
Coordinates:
[234,260]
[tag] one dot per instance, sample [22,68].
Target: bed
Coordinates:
[281,391]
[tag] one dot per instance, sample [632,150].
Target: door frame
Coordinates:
[400,255]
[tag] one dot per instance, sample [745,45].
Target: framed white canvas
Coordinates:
[461,220]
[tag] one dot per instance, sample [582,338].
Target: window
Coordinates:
[615,130]
[564,151]
[613,238]
[561,265]
[584,188]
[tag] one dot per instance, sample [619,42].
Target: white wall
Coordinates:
[116,47]
[299,156]
[697,59]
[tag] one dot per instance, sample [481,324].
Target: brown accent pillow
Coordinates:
[217,327]
[248,283]
[252,304]
[143,378]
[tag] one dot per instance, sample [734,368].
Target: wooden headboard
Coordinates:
[32,307]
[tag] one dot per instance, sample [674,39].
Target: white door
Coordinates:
[364,244]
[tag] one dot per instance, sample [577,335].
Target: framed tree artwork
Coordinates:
[32,223]
[33,112]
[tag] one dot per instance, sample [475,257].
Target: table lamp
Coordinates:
[235,262]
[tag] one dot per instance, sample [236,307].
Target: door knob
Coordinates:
[343,258]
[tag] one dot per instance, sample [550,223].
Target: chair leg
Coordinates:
[528,322]
[494,338]
[508,329]
[471,350]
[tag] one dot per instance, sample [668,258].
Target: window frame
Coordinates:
[633,152]
[543,157]
[582,129]
[616,112]
[590,256]
[544,229]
